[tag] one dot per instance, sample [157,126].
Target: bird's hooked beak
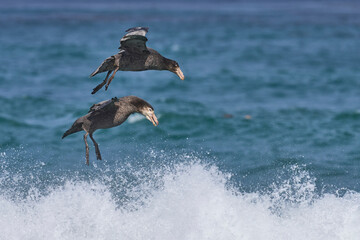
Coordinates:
[178,72]
[152,118]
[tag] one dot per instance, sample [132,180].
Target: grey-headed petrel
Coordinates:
[135,56]
[107,114]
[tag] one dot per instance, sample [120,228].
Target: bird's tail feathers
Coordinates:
[76,127]
[94,73]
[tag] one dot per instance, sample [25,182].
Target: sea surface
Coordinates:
[260,141]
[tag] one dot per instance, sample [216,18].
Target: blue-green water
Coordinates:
[260,141]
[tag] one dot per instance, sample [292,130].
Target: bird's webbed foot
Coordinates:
[98,87]
[98,155]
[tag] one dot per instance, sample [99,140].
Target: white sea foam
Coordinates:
[135,118]
[193,202]
[138,117]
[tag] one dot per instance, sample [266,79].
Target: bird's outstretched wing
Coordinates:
[135,41]
[107,65]
[104,106]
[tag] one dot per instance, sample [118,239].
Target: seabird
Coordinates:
[107,114]
[135,56]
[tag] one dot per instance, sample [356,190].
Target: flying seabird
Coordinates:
[135,56]
[107,114]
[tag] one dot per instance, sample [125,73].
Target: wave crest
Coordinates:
[185,201]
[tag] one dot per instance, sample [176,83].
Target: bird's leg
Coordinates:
[111,78]
[98,87]
[97,150]
[87,148]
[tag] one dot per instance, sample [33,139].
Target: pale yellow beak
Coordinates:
[179,73]
[152,118]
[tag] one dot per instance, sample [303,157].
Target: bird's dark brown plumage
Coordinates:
[107,114]
[135,56]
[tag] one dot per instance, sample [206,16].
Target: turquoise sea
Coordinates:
[260,141]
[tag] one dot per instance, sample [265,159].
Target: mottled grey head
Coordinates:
[145,109]
[173,66]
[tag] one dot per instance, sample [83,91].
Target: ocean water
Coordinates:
[260,141]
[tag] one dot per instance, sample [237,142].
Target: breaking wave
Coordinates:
[189,200]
